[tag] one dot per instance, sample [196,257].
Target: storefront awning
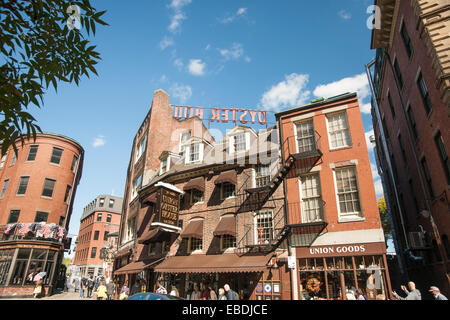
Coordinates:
[227,176]
[193,230]
[226,226]
[156,235]
[223,263]
[150,199]
[138,266]
[197,183]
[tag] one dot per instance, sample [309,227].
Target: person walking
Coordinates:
[231,295]
[90,286]
[205,293]
[110,289]
[222,295]
[101,291]
[124,292]
[412,294]
[174,292]
[437,293]
[212,293]
[82,287]
[160,289]
[359,295]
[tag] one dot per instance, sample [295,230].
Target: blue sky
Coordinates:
[253,54]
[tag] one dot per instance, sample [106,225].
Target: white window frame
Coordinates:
[182,144]
[302,198]
[163,170]
[134,192]
[261,214]
[222,193]
[232,142]
[222,248]
[353,216]
[140,148]
[350,144]
[189,250]
[189,150]
[296,133]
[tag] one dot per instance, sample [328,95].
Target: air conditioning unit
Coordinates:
[416,240]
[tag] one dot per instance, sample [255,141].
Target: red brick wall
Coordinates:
[19,291]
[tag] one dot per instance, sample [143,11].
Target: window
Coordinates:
[96,235]
[391,105]
[56,155]
[305,136]
[41,216]
[23,184]
[108,218]
[185,136]
[406,40]
[61,221]
[227,241]
[66,195]
[196,196]
[424,93]
[443,155]
[194,154]
[228,190]
[347,192]
[339,131]
[74,163]
[5,185]
[93,252]
[426,172]
[151,249]
[111,203]
[102,202]
[49,186]
[163,166]
[137,185]
[262,175]
[402,148]
[240,143]
[312,205]
[264,227]
[13,216]
[141,148]
[412,122]
[105,236]
[99,217]
[2,162]
[398,74]
[13,161]
[32,153]
[195,244]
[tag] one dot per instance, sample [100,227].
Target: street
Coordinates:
[58,296]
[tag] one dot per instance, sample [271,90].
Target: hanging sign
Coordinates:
[168,207]
[223,115]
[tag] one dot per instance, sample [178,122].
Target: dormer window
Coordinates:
[194,153]
[184,137]
[240,143]
[239,140]
[163,168]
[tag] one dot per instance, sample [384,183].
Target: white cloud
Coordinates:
[181,92]
[166,42]
[208,47]
[179,4]
[178,15]
[288,93]
[366,108]
[178,63]
[247,59]
[99,141]
[370,145]
[378,188]
[163,79]
[239,13]
[345,14]
[234,53]
[196,67]
[358,83]
[375,174]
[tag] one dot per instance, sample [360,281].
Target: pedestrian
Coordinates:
[350,295]
[174,292]
[101,291]
[231,295]
[160,289]
[96,283]
[437,293]
[135,288]
[412,294]
[222,295]
[196,294]
[205,293]
[124,292]
[110,288]
[212,294]
[38,289]
[90,286]
[359,295]
[82,287]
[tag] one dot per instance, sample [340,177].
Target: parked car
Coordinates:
[153,296]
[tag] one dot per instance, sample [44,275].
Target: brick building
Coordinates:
[411,108]
[38,187]
[335,233]
[100,218]
[228,225]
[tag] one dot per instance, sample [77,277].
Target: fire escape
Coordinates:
[265,240]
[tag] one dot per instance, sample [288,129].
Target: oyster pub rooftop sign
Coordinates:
[223,115]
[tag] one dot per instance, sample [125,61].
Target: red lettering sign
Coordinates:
[221,114]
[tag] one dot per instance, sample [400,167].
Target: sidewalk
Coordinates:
[59,296]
